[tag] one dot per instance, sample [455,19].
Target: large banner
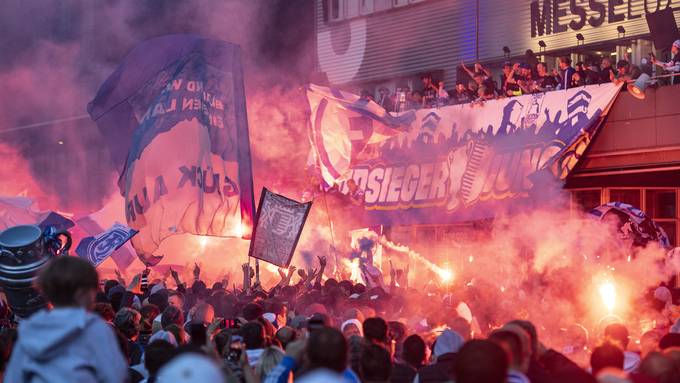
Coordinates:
[461,162]
[278,228]
[174,113]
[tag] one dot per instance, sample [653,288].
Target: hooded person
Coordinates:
[68,343]
[445,349]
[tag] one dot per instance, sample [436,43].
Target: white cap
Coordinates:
[191,368]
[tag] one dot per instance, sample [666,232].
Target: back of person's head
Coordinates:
[415,351]
[511,344]
[156,355]
[253,335]
[531,330]
[327,348]
[606,355]
[172,315]
[669,340]
[252,311]
[618,334]
[376,363]
[109,284]
[660,368]
[127,320]
[222,340]
[105,311]
[481,361]
[149,312]
[285,335]
[270,358]
[375,330]
[178,333]
[69,281]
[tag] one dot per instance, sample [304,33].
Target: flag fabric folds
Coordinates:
[175,117]
[278,228]
[457,162]
[96,249]
[343,126]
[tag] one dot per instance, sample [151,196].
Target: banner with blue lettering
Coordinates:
[461,162]
[96,249]
[174,113]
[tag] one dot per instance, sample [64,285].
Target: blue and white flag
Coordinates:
[97,248]
[174,116]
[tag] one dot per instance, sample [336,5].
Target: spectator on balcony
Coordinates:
[607,73]
[384,99]
[545,81]
[525,79]
[672,66]
[416,100]
[531,59]
[507,73]
[592,73]
[429,92]
[442,94]
[626,72]
[567,72]
[512,87]
[479,70]
[366,95]
[462,94]
[472,88]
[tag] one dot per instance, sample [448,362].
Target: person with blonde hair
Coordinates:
[271,357]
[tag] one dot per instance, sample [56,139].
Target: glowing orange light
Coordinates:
[446,275]
[608,294]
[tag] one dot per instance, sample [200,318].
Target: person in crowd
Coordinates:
[414,356]
[67,343]
[445,350]
[592,73]
[156,355]
[607,72]
[512,81]
[270,358]
[525,79]
[545,81]
[672,66]
[479,71]
[617,334]
[567,72]
[518,358]
[127,321]
[442,94]
[461,94]
[606,355]
[254,339]
[375,331]
[429,91]
[376,364]
[366,95]
[384,99]
[481,361]
[350,328]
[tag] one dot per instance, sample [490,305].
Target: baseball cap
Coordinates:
[190,368]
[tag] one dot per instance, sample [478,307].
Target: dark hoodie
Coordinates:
[66,345]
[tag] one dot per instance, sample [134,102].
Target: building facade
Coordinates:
[635,158]
[371,43]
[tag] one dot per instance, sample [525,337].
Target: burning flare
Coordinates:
[608,294]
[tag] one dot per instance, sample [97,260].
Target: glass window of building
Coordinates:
[661,203]
[629,196]
[586,199]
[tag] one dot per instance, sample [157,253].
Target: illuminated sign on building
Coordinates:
[548,16]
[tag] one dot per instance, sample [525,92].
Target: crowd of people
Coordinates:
[313,329]
[519,78]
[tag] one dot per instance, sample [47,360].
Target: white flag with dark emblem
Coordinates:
[278,227]
[96,249]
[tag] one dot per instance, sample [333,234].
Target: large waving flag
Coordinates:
[343,125]
[174,113]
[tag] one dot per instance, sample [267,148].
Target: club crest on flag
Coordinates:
[97,249]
